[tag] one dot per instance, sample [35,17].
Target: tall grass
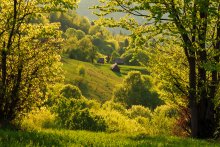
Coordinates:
[85,138]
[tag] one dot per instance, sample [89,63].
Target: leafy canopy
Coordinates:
[29,54]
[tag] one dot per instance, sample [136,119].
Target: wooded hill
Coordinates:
[98,81]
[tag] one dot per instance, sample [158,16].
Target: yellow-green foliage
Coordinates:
[117,122]
[163,120]
[81,113]
[139,111]
[38,119]
[110,105]
[135,90]
[76,114]
[70,91]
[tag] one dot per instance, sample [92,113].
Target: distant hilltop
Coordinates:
[83,10]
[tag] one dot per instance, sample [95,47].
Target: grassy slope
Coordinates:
[85,138]
[99,78]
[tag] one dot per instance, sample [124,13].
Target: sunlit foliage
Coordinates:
[29,58]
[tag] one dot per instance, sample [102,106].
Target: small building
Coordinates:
[119,61]
[115,68]
[101,60]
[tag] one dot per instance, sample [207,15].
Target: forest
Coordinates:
[127,73]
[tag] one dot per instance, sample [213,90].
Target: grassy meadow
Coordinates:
[50,137]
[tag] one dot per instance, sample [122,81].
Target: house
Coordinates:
[115,68]
[101,60]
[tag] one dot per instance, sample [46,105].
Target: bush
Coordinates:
[163,120]
[139,111]
[145,122]
[110,105]
[75,114]
[117,122]
[70,91]
[136,90]
[81,70]
[38,119]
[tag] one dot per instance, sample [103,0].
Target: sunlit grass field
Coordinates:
[99,81]
[85,138]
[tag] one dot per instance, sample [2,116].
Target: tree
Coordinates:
[29,58]
[99,31]
[70,32]
[84,24]
[114,55]
[135,90]
[169,69]
[84,49]
[196,24]
[135,57]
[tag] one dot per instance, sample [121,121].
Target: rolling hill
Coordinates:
[99,81]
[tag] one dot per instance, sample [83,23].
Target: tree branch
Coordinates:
[137,13]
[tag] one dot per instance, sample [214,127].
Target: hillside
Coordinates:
[99,81]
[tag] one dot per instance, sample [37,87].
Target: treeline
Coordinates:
[86,41]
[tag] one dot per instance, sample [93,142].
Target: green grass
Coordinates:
[85,138]
[99,81]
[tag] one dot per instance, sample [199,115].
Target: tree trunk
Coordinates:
[3,82]
[215,78]
[206,126]
[5,99]
[192,96]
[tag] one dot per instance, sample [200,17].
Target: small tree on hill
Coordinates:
[136,91]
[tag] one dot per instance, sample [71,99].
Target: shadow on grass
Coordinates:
[171,141]
[62,138]
[23,138]
[117,73]
[98,64]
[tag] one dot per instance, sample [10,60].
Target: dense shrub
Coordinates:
[110,105]
[163,119]
[73,111]
[81,70]
[70,91]
[135,90]
[139,111]
[38,119]
[145,122]
[117,122]
[75,114]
